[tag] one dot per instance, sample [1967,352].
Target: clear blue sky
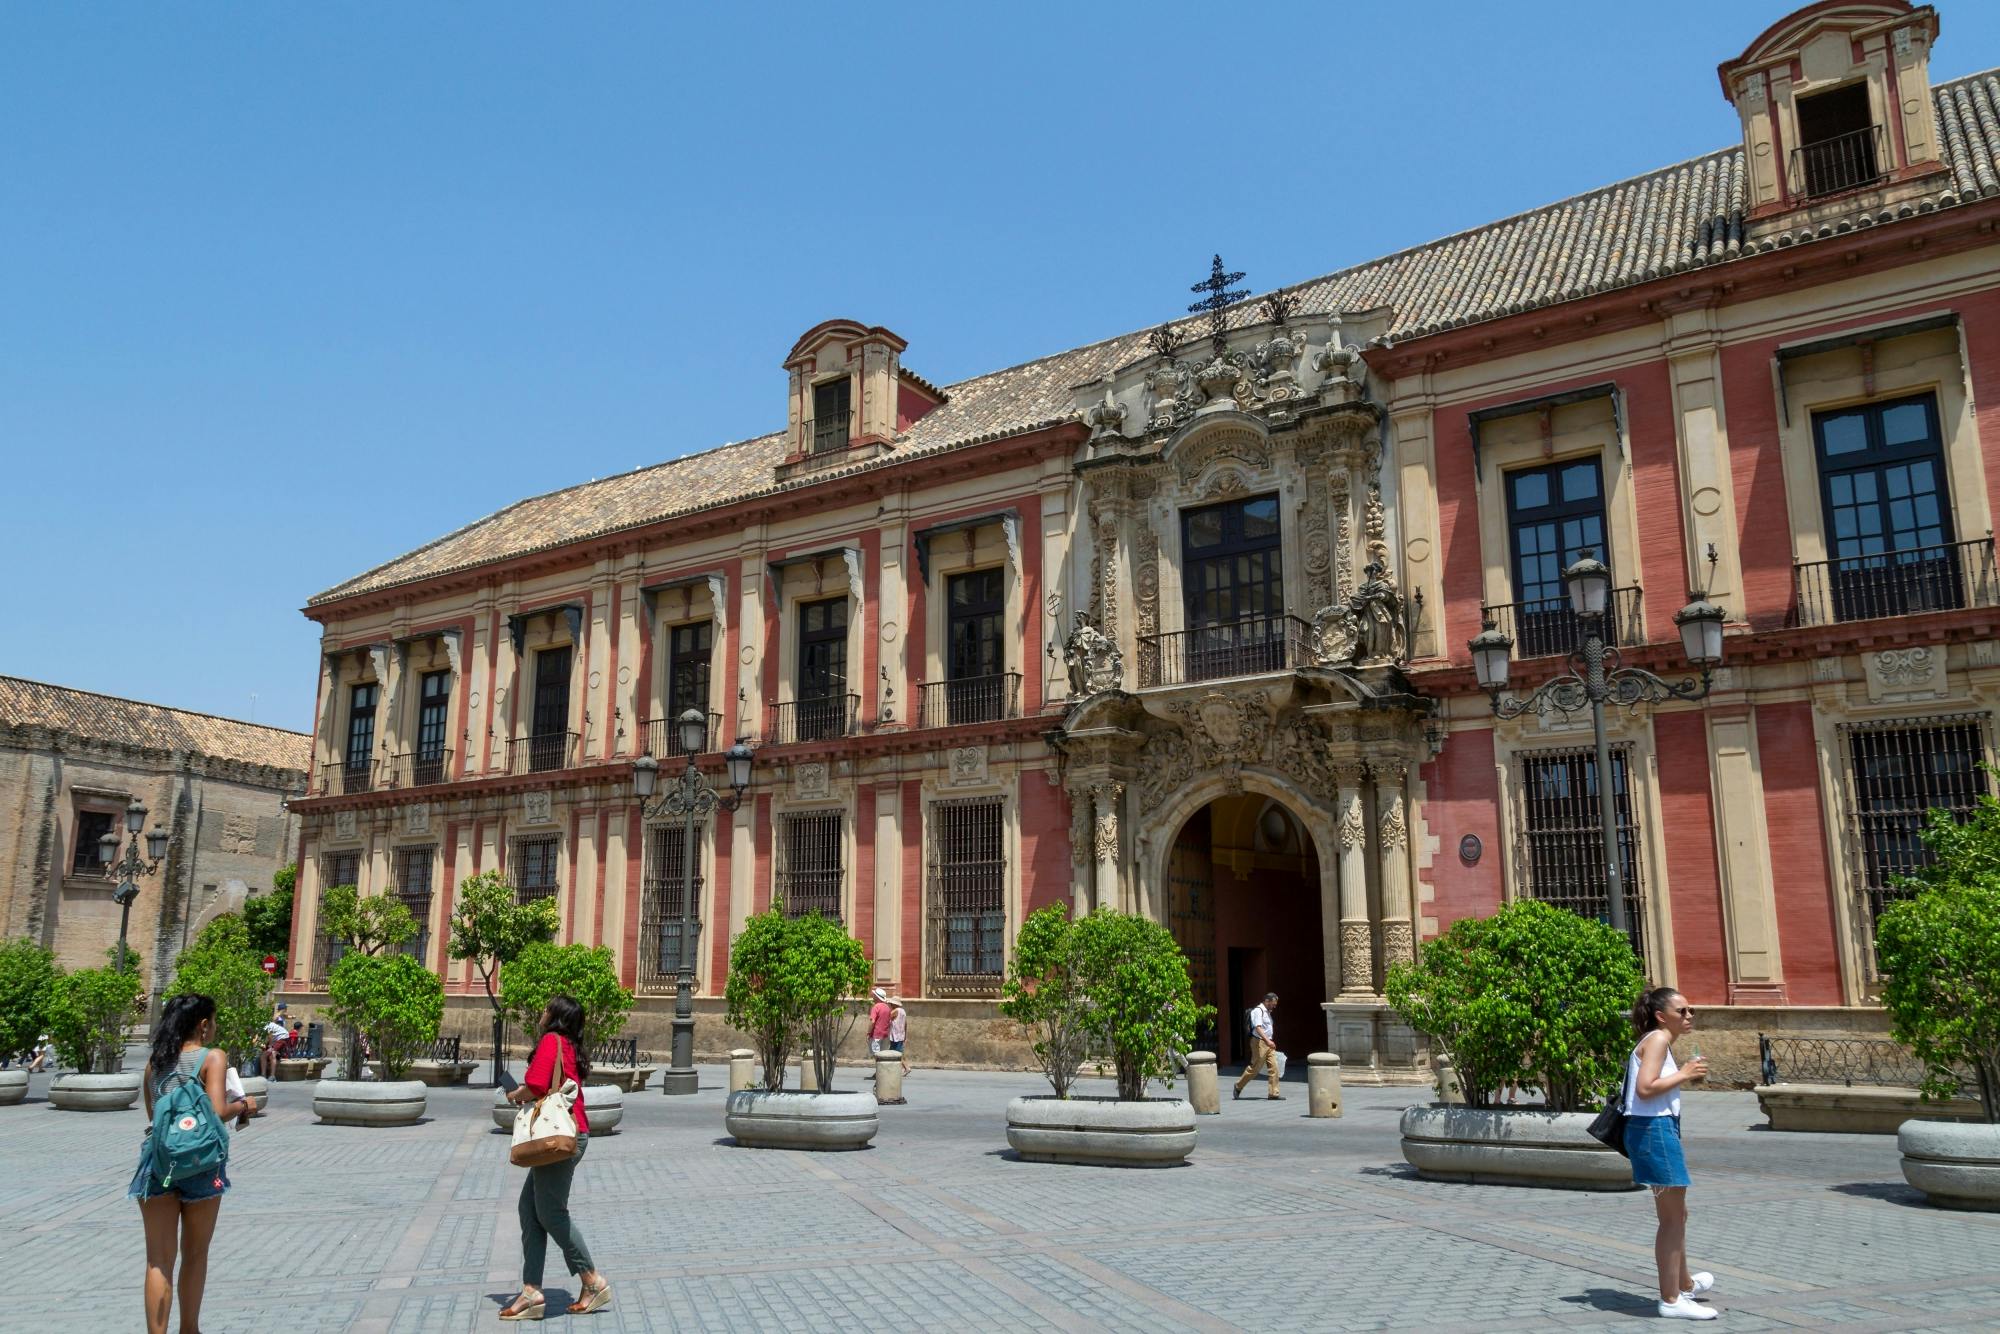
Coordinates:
[287,290]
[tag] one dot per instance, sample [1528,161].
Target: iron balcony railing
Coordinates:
[615,1051]
[1550,627]
[1895,583]
[539,754]
[420,768]
[1844,162]
[1848,1061]
[342,778]
[969,699]
[662,736]
[820,719]
[1235,648]
[824,434]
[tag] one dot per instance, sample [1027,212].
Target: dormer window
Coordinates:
[1840,145]
[850,396]
[832,412]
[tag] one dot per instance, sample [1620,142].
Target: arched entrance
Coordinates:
[1244,902]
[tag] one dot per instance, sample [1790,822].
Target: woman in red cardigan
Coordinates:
[544,1206]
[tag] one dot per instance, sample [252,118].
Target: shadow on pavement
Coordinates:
[1893,1192]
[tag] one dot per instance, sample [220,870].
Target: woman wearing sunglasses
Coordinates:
[1653,1082]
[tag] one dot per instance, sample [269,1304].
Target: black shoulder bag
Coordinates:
[1608,1128]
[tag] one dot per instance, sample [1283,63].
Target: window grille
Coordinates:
[90,826]
[413,887]
[811,877]
[660,905]
[966,916]
[336,868]
[535,869]
[1897,773]
[1560,846]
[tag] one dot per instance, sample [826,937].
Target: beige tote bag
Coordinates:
[545,1129]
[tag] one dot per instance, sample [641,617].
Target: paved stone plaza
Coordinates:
[1280,1223]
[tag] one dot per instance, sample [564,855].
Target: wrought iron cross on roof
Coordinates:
[1220,297]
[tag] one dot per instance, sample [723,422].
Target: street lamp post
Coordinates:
[1597,674]
[690,798]
[131,866]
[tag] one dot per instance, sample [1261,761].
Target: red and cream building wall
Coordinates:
[1177,621]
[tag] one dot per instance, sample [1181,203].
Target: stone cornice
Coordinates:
[89,749]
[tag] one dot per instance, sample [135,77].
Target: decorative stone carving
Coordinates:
[968,766]
[1980,653]
[1227,731]
[1375,532]
[346,824]
[1353,824]
[1367,629]
[1343,545]
[1079,829]
[1107,417]
[1317,544]
[1398,945]
[1340,362]
[1235,444]
[1104,567]
[1905,673]
[417,818]
[1146,580]
[538,807]
[812,780]
[1222,484]
[1357,962]
[1170,762]
[1298,750]
[1393,833]
[1094,663]
[1105,797]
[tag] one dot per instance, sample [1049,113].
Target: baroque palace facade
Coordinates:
[1178,622]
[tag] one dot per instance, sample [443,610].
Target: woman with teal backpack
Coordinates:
[182,1169]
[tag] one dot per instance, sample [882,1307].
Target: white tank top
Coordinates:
[1664,1104]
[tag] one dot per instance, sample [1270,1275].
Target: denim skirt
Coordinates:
[1653,1143]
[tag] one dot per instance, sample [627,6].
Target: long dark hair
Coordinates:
[178,1020]
[565,1018]
[1646,1010]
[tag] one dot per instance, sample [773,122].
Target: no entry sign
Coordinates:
[270,963]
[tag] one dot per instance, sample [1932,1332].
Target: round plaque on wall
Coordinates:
[1469,849]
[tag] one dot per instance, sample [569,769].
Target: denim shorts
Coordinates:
[146,1183]
[1654,1145]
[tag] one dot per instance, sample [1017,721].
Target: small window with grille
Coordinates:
[413,887]
[535,869]
[811,876]
[335,869]
[660,930]
[1560,844]
[1897,774]
[966,908]
[90,827]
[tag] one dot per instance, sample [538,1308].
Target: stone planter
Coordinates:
[297,1068]
[13,1087]
[629,1078]
[1102,1132]
[1859,1110]
[1957,1166]
[442,1074]
[604,1104]
[503,1111]
[764,1120]
[95,1093]
[258,1090]
[369,1102]
[1511,1148]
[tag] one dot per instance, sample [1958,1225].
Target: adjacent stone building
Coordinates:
[1178,621]
[71,762]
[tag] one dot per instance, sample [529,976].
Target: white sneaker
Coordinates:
[1684,1307]
[1704,1282]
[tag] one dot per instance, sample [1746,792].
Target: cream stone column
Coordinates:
[1750,908]
[1105,844]
[888,880]
[742,864]
[1416,498]
[1392,844]
[1054,537]
[1111,513]
[1708,503]
[895,693]
[745,709]
[1357,947]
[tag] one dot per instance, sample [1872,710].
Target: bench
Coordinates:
[294,1068]
[1854,1086]
[616,1061]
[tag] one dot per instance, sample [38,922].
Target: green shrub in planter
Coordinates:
[587,973]
[396,1001]
[1533,995]
[27,976]
[1044,994]
[795,980]
[88,1011]
[1940,957]
[490,927]
[221,964]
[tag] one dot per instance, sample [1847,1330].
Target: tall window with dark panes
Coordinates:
[966,909]
[1555,514]
[1888,514]
[1563,835]
[1899,773]
[433,728]
[821,710]
[660,909]
[975,653]
[1232,568]
[335,869]
[830,415]
[534,869]
[358,765]
[1840,146]
[90,827]
[813,871]
[689,648]
[413,888]
[548,740]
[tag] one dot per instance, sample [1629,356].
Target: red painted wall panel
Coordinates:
[760,887]
[718,932]
[864,868]
[628,957]
[1687,837]
[1045,849]
[1797,820]
[1460,798]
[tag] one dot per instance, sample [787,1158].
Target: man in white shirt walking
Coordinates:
[1263,1046]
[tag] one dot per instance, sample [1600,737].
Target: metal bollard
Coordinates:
[1450,1091]
[808,1073]
[1204,1090]
[889,1078]
[741,1061]
[1323,1084]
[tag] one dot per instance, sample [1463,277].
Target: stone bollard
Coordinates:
[889,1078]
[1323,1084]
[808,1073]
[741,1062]
[1204,1091]
[1450,1091]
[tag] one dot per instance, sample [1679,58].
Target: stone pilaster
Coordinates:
[1392,847]
[1105,843]
[1357,945]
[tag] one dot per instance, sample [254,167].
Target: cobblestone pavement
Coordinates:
[1279,1223]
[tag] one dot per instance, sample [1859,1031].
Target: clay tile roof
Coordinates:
[1687,216]
[34,704]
